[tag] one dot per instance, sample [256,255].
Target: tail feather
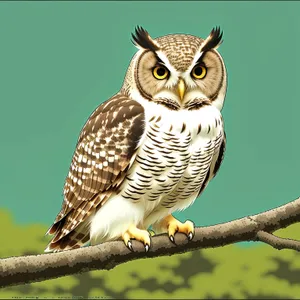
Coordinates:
[55,227]
[75,239]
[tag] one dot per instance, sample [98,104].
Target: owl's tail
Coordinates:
[77,238]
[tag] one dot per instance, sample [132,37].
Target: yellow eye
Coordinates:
[199,72]
[160,72]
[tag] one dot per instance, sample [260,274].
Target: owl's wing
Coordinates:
[105,149]
[216,162]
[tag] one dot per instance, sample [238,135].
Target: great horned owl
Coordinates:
[149,150]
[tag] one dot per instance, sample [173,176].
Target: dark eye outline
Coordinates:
[204,71]
[158,77]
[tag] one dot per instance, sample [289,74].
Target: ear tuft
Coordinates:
[213,41]
[142,39]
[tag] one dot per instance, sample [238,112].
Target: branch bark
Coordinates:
[277,242]
[33,268]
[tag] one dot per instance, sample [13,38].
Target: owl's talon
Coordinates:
[134,233]
[172,238]
[173,225]
[129,245]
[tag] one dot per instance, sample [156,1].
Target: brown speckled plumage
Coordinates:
[180,49]
[150,149]
[106,144]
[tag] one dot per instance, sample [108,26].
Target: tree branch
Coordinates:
[33,268]
[277,242]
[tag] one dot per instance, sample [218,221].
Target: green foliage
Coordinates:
[18,239]
[256,272]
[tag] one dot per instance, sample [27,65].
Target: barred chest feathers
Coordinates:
[173,159]
[137,160]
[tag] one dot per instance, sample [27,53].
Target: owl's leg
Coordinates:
[172,225]
[138,234]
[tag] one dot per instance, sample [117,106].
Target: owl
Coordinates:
[151,149]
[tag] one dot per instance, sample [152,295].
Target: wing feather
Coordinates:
[104,149]
[215,164]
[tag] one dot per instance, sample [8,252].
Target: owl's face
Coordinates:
[178,71]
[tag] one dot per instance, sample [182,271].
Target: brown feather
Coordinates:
[215,165]
[104,149]
[213,41]
[142,38]
[75,239]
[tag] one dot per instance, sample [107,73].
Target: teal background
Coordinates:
[60,60]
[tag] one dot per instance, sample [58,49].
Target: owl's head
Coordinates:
[178,70]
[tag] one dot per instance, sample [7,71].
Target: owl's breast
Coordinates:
[173,157]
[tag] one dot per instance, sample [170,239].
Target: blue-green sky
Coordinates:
[60,60]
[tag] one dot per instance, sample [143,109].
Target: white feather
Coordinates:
[118,213]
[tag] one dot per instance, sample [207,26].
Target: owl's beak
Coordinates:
[181,88]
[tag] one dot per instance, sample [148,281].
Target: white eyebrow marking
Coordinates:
[196,58]
[165,60]
[174,74]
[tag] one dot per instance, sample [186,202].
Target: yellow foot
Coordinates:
[134,233]
[173,225]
